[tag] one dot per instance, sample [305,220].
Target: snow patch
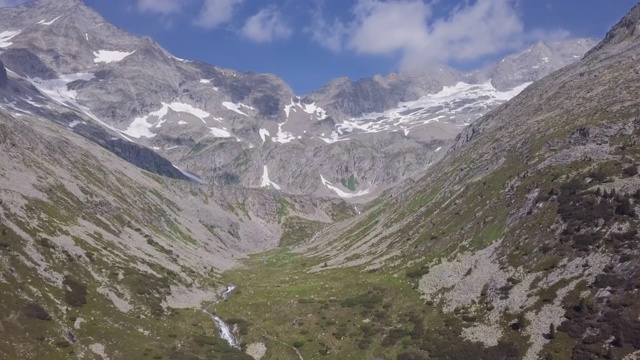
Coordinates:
[31,102]
[311,109]
[47,23]
[283,136]
[5,36]
[179,59]
[207,81]
[140,126]
[217,132]
[288,108]
[57,89]
[75,123]
[335,137]
[235,107]
[461,100]
[341,193]
[266,182]
[263,134]
[188,109]
[107,56]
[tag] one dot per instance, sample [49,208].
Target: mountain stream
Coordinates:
[223,327]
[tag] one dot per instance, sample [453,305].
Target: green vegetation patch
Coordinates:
[350,183]
[297,230]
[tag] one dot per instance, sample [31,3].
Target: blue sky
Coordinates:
[310,42]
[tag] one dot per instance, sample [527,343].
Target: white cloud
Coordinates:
[386,27]
[487,27]
[266,26]
[408,28]
[163,7]
[216,12]
[331,36]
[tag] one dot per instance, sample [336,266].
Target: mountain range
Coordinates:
[234,128]
[163,208]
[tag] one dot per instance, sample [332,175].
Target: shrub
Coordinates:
[368,330]
[520,323]
[418,272]
[625,237]
[513,280]
[364,343]
[584,241]
[552,331]
[340,332]
[393,337]
[62,344]
[46,243]
[630,171]
[608,280]
[625,208]
[411,355]
[36,311]
[572,187]
[418,329]
[324,349]
[76,295]
[368,301]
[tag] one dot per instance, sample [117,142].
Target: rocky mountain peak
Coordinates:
[59,3]
[66,13]
[627,29]
[540,46]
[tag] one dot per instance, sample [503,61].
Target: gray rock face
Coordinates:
[4,80]
[248,129]
[377,94]
[536,62]
[627,29]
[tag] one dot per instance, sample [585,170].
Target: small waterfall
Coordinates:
[230,288]
[223,327]
[225,331]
